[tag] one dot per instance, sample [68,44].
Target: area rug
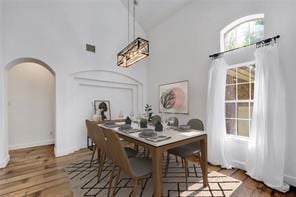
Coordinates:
[83,181]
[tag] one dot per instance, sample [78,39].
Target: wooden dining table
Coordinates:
[156,149]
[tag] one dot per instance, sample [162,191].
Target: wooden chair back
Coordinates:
[99,137]
[116,152]
[90,131]
[196,124]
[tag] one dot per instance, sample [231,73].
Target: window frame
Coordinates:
[225,30]
[235,24]
[247,63]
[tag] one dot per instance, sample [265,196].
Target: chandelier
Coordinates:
[136,50]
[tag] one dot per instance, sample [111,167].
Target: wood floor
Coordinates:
[36,172]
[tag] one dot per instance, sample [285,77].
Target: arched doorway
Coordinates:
[30,98]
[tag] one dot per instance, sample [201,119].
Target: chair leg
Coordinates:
[135,189]
[101,165]
[92,156]
[182,162]
[167,164]
[87,142]
[186,172]
[116,182]
[177,160]
[111,180]
[136,147]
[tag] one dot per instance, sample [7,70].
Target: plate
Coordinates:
[124,127]
[147,133]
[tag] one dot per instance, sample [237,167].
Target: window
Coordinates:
[239,96]
[239,93]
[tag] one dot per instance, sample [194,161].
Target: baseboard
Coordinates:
[4,161]
[290,180]
[60,153]
[28,145]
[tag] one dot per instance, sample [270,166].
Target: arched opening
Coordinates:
[30,98]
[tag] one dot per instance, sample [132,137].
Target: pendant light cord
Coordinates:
[128,21]
[134,18]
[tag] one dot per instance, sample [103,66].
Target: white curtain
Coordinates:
[216,126]
[266,149]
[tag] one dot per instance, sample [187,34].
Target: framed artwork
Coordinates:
[102,108]
[173,97]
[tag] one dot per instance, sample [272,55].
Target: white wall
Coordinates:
[4,157]
[56,32]
[180,47]
[31,105]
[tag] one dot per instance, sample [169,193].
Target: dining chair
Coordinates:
[196,124]
[138,168]
[155,119]
[190,152]
[99,139]
[173,121]
[90,137]
[101,147]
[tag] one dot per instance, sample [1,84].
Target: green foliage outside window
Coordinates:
[244,34]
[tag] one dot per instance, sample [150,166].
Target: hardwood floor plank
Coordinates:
[240,175]
[42,188]
[36,172]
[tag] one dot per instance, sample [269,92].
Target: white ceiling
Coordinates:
[150,13]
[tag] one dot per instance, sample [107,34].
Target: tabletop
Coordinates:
[174,135]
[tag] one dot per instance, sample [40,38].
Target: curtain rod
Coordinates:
[264,42]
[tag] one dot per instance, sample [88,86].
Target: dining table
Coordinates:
[174,138]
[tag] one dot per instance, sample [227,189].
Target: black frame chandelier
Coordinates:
[135,51]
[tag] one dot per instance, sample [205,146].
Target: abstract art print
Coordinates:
[174,97]
[102,108]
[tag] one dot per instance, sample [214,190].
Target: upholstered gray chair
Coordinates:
[137,168]
[101,146]
[196,124]
[155,119]
[173,121]
[187,152]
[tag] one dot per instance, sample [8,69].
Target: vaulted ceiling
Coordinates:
[150,13]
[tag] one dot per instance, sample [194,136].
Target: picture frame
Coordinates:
[173,97]
[102,108]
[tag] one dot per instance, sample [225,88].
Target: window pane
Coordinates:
[243,127]
[243,110]
[231,76]
[256,30]
[230,40]
[243,91]
[243,74]
[252,68]
[251,109]
[230,110]
[230,126]
[245,33]
[230,92]
[242,34]
[252,91]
